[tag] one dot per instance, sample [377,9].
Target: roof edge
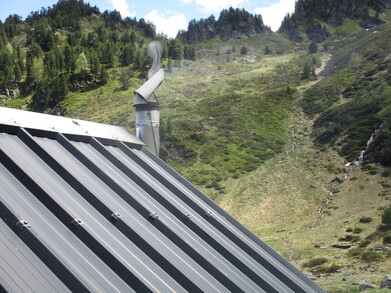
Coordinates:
[11,118]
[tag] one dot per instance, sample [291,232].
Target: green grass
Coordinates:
[21,102]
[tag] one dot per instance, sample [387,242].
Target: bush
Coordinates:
[364,243]
[315,262]
[374,235]
[355,251]
[350,238]
[385,173]
[384,184]
[357,230]
[243,50]
[386,219]
[387,239]
[328,270]
[369,256]
[349,230]
[365,219]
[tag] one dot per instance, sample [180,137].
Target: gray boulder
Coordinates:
[386,283]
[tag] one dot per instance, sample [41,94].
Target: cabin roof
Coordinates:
[87,207]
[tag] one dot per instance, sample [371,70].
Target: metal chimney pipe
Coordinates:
[147,125]
[148,112]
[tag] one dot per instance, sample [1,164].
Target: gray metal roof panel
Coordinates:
[21,269]
[200,207]
[114,217]
[64,254]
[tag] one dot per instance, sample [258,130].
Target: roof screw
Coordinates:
[76,223]
[186,216]
[22,224]
[115,216]
[208,214]
[154,216]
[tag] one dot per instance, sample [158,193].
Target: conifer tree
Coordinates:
[82,63]
[69,59]
[95,65]
[127,56]
[104,75]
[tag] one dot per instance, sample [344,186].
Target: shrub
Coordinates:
[355,251]
[386,219]
[374,235]
[384,184]
[328,270]
[387,239]
[349,230]
[364,243]
[315,262]
[350,238]
[369,256]
[365,219]
[243,50]
[385,173]
[357,230]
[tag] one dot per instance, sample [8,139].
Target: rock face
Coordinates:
[232,24]
[364,287]
[310,13]
[386,283]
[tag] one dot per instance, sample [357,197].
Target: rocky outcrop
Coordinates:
[386,283]
[232,24]
[199,31]
[309,13]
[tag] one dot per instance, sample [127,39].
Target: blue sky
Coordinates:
[170,15]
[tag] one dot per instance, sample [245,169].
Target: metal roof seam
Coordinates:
[309,285]
[186,219]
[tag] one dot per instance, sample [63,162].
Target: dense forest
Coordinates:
[52,53]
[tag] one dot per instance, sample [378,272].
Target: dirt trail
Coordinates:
[301,129]
[325,60]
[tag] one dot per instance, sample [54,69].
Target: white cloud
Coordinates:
[274,14]
[186,1]
[122,7]
[168,23]
[210,6]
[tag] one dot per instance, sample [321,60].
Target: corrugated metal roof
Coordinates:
[103,215]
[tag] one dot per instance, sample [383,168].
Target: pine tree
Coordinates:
[124,79]
[313,48]
[267,51]
[35,50]
[95,65]
[104,75]
[169,65]
[127,56]
[50,65]
[175,49]
[69,59]
[7,68]
[244,50]
[35,70]
[306,71]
